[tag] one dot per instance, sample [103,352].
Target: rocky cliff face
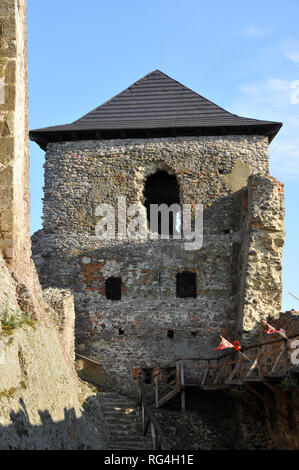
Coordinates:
[43,405]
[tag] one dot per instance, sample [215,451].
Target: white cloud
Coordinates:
[292,55]
[254,31]
[270,99]
[271,93]
[284,158]
[291,50]
[276,84]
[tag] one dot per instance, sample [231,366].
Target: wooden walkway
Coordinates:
[266,363]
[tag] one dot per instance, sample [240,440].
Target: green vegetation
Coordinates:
[238,391]
[287,383]
[10,393]
[10,321]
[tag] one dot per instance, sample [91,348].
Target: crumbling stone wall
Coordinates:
[80,175]
[59,304]
[260,255]
[149,326]
[15,244]
[15,240]
[276,428]
[42,403]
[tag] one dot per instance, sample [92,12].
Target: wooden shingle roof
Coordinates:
[155,105]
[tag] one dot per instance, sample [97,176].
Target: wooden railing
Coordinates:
[255,363]
[150,423]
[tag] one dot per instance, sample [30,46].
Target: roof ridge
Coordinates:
[158,101]
[184,87]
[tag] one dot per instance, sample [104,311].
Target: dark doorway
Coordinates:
[161,188]
[186,284]
[113,288]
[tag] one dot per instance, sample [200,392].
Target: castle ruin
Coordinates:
[145,302]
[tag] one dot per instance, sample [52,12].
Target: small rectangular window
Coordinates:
[113,288]
[186,284]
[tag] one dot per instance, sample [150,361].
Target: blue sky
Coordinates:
[243,56]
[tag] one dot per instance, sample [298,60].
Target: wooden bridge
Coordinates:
[267,363]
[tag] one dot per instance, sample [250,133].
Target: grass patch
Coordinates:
[11,321]
[287,383]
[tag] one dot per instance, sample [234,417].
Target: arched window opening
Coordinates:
[113,288]
[186,284]
[162,188]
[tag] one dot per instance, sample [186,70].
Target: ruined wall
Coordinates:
[59,305]
[42,403]
[15,244]
[276,427]
[79,175]
[149,325]
[260,255]
[15,241]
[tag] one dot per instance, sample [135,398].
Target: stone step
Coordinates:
[125,429]
[122,408]
[121,412]
[127,441]
[127,448]
[116,419]
[121,419]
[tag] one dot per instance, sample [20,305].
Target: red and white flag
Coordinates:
[226,344]
[272,330]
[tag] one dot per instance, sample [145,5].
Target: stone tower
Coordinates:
[144,302]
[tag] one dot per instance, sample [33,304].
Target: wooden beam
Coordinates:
[167,397]
[156,391]
[234,371]
[183,401]
[264,400]
[244,400]
[278,392]
[252,367]
[218,375]
[281,356]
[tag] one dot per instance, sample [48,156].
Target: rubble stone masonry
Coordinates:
[150,326]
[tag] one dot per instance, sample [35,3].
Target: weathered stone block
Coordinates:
[9,98]
[6,176]
[6,149]
[6,220]
[7,8]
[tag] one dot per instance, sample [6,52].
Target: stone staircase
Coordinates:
[123,419]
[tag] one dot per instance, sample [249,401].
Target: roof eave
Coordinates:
[65,134]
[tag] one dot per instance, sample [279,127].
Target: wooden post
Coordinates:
[156,391]
[182,373]
[207,378]
[154,436]
[177,376]
[182,387]
[183,400]
[285,355]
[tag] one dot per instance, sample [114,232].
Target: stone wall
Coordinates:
[79,175]
[43,405]
[150,326]
[276,428]
[59,304]
[260,255]
[15,242]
